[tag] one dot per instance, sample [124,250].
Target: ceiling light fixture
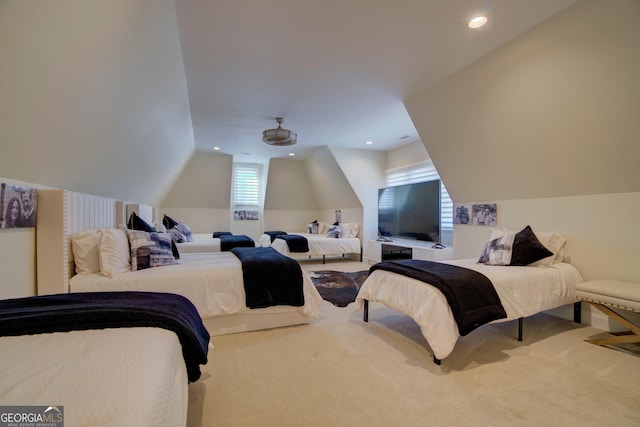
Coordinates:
[477,22]
[280,137]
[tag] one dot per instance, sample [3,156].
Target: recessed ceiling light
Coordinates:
[477,21]
[369,142]
[216,148]
[292,154]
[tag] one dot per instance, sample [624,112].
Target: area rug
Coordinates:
[337,287]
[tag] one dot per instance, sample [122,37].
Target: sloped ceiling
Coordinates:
[552,113]
[94,96]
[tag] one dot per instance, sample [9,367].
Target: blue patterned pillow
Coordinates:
[176,235]
[149,249]
[185,230]
[335,231]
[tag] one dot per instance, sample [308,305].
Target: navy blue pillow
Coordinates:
[169,222]
[137,223]
[527,248]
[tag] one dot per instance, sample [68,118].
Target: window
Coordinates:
[246,184]
[420,172]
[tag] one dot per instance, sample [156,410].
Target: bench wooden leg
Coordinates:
[618,339]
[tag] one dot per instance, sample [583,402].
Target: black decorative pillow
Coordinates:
[169,222]
[150,249]
[137,223]
[527,248]
[217,234]
[521,248]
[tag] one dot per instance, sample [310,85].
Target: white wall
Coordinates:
[94,96]
[552,113]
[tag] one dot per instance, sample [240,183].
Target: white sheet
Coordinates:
[523,292]
[201,243]
[123,376]
[212,282]
[319,245]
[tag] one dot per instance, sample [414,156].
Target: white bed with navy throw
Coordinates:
[523,290]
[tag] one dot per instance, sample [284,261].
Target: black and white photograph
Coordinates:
[243,215]
[485,214]
[17,206]
[462,213]
[338,216]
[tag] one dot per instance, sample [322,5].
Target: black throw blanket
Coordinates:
[228,242]
[270,278]
[101,310]
[274,234]
[471,295]
[296,242]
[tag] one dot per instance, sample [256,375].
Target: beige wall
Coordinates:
[205,183]
[94,96]
[552,113]
[289,186]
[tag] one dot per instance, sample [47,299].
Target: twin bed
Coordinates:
[523,288]
[325,242]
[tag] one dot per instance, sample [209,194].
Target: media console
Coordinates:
[407,249]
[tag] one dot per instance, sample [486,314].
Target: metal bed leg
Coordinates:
[437,361]
[520,323]
[365,317]
[323,258]
[360,254]
[577,312]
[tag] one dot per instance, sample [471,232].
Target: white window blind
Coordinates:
[421,172]
[246,184]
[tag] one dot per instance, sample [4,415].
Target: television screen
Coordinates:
[410,211]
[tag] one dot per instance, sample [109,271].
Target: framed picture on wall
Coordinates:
[485,214]
[462,213]
[17,206]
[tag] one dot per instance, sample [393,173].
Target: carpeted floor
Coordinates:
[340,371]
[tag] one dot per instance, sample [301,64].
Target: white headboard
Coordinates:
[62,213]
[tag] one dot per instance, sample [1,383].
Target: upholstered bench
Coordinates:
[606,293]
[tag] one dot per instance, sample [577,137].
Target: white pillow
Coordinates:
[160,228]
[350,230]
[323,227]
[85,246]
[553,241]
[114,253]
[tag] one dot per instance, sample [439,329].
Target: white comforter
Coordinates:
[122,376]
[523,292]
[201,243]
[211,281]
[318,245]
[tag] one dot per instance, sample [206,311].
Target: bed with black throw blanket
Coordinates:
[105,359]
[445,310]
[101,310]
[471,295]
[230,241]
[270,278]
[295,242]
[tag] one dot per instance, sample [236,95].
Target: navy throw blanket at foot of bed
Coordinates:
[274,234]
[102,310]
[270,278]
[471,295]
[295,242]
[228,242]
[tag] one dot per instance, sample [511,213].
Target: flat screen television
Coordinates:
[410,211]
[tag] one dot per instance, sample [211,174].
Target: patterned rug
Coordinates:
[337,287]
